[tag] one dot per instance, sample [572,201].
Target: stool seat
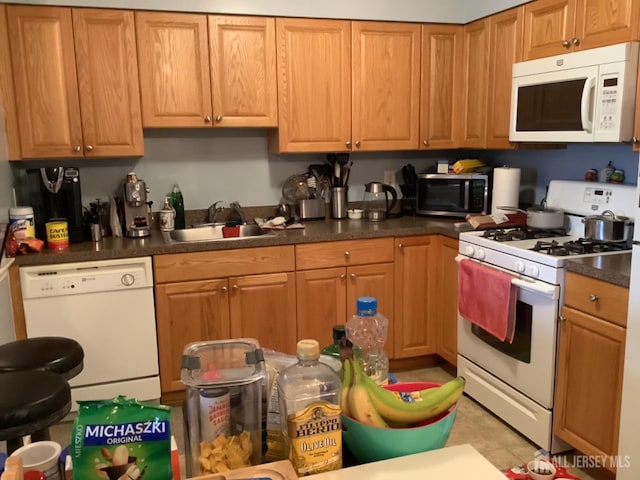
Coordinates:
[31,401]
[55,354]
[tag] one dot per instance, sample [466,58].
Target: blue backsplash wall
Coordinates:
[232,165]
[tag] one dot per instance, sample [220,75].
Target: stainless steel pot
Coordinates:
[606,227]
[541,217]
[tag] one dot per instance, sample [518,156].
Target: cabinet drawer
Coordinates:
[598,298]
[344,253]
[178,267]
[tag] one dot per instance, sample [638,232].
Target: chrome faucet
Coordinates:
[214,212]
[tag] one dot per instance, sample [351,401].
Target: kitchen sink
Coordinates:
[213,232]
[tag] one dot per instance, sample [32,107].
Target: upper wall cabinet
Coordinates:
[386,85]
[505,49]
[476,60]
[70,61]
[327,102]
[174,69]
[314,86]
[7,93]
[199,71]
[243,71]
[441,84]
[553,27]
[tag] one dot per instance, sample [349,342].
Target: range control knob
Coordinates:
[535,271]
[468,250]
[480,254]
[127,280]
[519,266]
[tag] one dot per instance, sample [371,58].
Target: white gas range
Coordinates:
[516,380]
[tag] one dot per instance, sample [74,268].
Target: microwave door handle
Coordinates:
[586,115]
[467,187]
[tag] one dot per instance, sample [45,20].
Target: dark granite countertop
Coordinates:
[314,231]
[608,268]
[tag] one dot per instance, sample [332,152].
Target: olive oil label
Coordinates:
[315,434]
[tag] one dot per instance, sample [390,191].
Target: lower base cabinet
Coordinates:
[447,299]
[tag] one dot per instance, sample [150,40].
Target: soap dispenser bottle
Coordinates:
[177,202]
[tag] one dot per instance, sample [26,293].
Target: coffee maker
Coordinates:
[137,222]
[54,193]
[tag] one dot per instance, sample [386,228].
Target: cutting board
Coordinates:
[282,470]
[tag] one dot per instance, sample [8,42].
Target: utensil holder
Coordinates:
[312,208]
[339,202]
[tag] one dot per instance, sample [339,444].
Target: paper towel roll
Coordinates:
[506,189]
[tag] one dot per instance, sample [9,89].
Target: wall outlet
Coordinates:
[389,177]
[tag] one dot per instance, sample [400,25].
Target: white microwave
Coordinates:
[586,96]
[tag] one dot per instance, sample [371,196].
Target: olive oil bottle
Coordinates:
[310,408]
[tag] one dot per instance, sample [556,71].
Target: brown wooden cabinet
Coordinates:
[476,64]
[505,49]
[415,313]
[447,299]
[314,86]
[76,82]
[386,86]
[8,114]
[553,27]
[216,295]
[243,71]
[590,366]
[331,276]
[327,102]
[441,84]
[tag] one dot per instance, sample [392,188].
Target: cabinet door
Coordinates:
[7,93]
[447,299]
[476,48]
[386,85]
[243,71]
[108,83]
[589,383]
[506,36]
[314,86]
[46,85]
[188,312]
[321,297]
[636,125]
[606,22]
[548,28]
[173,56]
[264,307]
[415,306]
[442,69]
[375,280]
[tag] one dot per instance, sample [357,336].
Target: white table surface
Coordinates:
[461,462]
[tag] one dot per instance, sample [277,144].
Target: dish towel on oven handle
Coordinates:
[487,298]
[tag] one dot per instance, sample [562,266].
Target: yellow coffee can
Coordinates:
[57,234]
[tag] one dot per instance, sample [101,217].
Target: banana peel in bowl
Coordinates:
[379,423]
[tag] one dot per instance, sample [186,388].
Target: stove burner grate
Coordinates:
[577,247]
[522,233]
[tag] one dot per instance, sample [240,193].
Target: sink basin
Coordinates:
[209,233]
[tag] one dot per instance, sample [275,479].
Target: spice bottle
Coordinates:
[177,202]
[167,216]
[309,394]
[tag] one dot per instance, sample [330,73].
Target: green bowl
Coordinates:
[370,444]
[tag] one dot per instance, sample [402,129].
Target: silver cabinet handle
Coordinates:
[224,289]
[635,139]
[219,118]
[77,148]
[88,148]
[234,287]
[593,298]
[207,119]
[348,144]
[566,44]
[562,318]
[353,276]
[400,246]
[425,142]
[346,254]
[343,276]
[575,41]
[357,143]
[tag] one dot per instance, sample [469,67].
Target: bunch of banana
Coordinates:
[369,403]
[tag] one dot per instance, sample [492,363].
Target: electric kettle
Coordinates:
[376,200]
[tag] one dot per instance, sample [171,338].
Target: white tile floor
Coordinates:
[500,444]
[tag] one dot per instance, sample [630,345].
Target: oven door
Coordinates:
[528,363]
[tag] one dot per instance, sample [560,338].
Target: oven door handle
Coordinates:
[525,283]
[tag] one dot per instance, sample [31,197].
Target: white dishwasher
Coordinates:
[106,306]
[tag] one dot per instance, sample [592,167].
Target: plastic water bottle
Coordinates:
[177,202]
[309,394]
[367,330]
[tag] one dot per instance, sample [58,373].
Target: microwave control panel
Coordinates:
[609,103]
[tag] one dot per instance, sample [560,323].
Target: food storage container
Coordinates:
[224,381]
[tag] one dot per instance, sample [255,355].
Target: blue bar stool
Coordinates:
[30,402]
